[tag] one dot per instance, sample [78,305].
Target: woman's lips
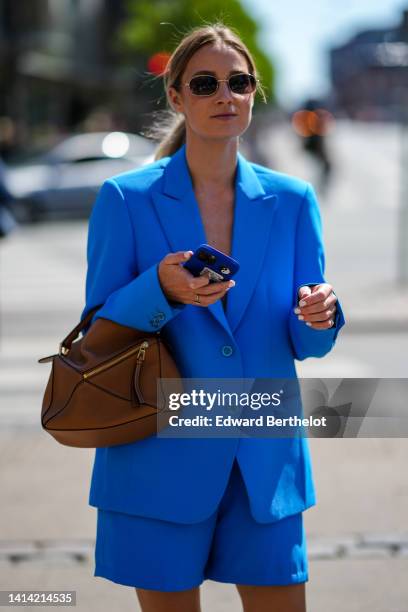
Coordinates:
[224,117]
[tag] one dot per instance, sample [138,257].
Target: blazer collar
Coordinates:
[177,178]
[180,218]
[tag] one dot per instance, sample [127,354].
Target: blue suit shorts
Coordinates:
[229,546]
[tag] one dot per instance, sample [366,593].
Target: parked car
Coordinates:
[64,181]
[7,220]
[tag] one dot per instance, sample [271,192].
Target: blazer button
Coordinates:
[227,350]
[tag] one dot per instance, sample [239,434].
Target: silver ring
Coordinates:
[197,298]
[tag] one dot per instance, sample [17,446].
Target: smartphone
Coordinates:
[209,261]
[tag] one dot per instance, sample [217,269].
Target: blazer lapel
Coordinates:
[181,221]
[253,215]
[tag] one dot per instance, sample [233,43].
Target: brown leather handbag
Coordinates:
[102,389]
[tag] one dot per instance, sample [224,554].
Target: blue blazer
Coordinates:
[138,217]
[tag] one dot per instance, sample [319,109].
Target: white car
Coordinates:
[64,181]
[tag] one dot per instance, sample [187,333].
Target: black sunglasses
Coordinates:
[207,84]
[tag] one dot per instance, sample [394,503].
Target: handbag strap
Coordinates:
[65,345]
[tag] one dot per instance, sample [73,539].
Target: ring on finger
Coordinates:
[197,298]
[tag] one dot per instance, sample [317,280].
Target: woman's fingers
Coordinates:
[211,293]
[214,288]
[176,258]
[319,317]
[318,309]
[197,283]
[326,325]
[180,285]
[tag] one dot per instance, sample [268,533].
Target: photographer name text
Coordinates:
[259,421]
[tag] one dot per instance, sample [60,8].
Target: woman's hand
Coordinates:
[317,306]
[180,285]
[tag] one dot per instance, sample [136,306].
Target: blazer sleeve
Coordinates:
[309,270]
[128,297]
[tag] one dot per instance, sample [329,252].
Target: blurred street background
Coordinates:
[79,86]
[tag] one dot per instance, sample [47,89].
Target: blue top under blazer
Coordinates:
[138,217]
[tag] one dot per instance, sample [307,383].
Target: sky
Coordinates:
[296,35]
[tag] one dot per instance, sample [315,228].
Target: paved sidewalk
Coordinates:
[355,586]
[357,534]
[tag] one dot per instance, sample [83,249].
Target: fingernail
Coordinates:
[308,323]
[302,303]
[232,283]
[186,254]
[296,310]
[301,317]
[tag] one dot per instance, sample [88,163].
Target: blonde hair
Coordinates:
[170,129]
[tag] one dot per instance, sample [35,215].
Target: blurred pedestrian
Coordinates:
[316,145]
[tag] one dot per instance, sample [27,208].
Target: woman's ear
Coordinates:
[174,100]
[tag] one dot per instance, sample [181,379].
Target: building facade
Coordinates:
[369,74]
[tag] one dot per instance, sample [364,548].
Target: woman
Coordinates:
[173,512]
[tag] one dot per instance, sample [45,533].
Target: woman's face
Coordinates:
[199,111]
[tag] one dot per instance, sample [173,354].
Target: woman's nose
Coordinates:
[224,91]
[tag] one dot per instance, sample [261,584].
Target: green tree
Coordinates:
[158,25]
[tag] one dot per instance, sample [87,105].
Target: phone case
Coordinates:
[208,260]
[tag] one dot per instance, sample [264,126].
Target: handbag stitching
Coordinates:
[107,426]
[67,402]
[101,389]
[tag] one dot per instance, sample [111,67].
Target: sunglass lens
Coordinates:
[203,85]
[242,83]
